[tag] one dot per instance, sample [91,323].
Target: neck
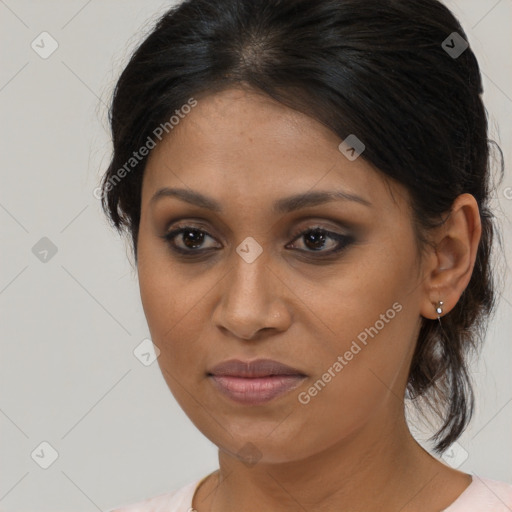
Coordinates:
[380,467]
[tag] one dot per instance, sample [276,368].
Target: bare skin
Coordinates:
[348,448]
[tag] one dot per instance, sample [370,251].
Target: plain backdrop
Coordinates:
[71,315]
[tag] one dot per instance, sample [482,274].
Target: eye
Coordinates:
[190,238]
[315,239]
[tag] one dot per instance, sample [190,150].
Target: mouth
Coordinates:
[255,382]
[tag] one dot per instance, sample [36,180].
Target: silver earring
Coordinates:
[439,309]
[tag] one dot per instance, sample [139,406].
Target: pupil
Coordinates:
[193,238]
[192,234]
[311,238]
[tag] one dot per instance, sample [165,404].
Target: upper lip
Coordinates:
[256,368]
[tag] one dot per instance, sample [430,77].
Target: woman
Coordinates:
[306,187]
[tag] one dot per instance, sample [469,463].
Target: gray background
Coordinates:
[69,325]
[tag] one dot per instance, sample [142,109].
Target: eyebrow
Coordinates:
[284,205]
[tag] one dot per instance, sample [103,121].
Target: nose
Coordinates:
[253,300]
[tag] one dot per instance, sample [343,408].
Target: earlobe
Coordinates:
[453,257]
[434,310]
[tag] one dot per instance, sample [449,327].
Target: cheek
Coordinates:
[366,377]
[364,360]
[174,317]
[363,367]
[172,314]
[365,301]
[167,296]
[169,304]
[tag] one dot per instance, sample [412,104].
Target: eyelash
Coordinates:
[342,240]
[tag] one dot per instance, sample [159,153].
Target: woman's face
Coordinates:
[248,286]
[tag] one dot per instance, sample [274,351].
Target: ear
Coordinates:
[452,258]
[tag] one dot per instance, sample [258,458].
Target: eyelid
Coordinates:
[342,241]
[305,225]
[177,230]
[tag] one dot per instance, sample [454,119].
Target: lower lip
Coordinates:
[256,391]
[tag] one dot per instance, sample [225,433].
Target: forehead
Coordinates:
[242,143]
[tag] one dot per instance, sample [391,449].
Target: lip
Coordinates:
[254,382]
[252,369]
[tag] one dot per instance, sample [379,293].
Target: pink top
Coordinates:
[482,495]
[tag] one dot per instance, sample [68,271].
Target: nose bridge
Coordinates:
[251,300]
[251,278]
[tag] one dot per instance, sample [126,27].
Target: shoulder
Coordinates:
[484,495]
[179,500]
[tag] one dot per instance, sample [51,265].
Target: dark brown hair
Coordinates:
[380,69]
